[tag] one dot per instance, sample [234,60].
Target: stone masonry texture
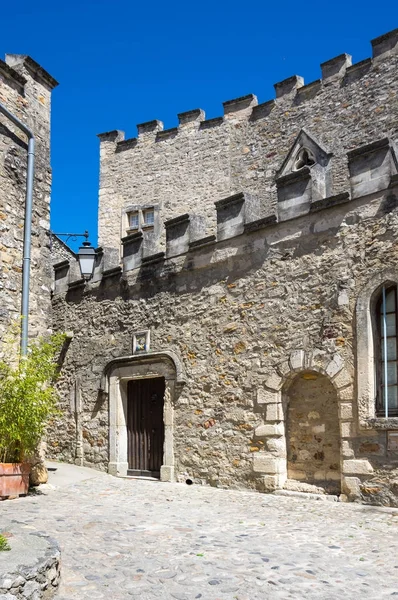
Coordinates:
[261,316]
[25,90]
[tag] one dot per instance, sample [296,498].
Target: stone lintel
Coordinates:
[206,241]
[191,116]
[336,67]
[304,173]
[231,200]
[368,148]
[166,134]
[261,223]
[61,265]
[149,127]
[177,220]
[329,202]
[288,85]
[211,122]
[115,271]
[126,144]
[152,258]
[133,237]
[262,110]
[78,283]
[241,103]
[34,69]
[387,42]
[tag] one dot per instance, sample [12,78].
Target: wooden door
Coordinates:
[145,426]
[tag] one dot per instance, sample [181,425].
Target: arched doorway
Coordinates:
[313,434]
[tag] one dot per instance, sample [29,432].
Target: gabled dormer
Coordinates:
[304,177]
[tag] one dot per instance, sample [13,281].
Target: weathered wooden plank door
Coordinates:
[145,426]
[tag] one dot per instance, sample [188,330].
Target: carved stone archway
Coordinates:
[271,462]
[117,374]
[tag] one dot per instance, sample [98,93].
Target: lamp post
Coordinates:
[86,258]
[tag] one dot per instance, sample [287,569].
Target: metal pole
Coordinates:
[27,226]
[26,246]
[385,354]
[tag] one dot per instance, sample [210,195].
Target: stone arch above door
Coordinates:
[271,463]
[312,433]
[116,376]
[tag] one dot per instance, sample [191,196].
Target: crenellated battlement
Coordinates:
[373,171]
[338,70]
[251,149]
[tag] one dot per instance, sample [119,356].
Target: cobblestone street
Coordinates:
[144,539]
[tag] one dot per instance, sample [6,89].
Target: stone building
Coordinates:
[240,325]
[25,91]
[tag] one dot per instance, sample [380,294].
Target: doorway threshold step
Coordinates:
[307,495]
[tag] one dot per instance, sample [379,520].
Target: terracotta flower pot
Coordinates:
[14,479]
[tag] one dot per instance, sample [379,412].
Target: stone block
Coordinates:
[346,449]
[335,365]
[270,429]
[346,393]
[274,382]
[264,463]
[346,429]
[342,379]
[277,446]
[345,410]
[357,467]
[167,473]
[351,487]
[267,397]
[274,412]
[297,359]
[273,482]
[269,483]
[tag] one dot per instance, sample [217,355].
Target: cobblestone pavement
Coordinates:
[124,539]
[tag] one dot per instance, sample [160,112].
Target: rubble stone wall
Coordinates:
[244,315]
[25,90]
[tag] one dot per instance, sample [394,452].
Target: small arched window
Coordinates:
[386,352]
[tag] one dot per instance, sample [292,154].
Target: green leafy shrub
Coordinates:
[4,545]
[27,397]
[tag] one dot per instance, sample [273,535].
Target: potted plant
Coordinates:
[27,401]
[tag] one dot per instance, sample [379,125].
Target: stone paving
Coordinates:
[123,538]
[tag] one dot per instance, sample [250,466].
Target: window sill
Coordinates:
[382,423]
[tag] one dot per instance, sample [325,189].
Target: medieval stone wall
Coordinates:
[188,168]
[243,314]
[25,90]
[262,317]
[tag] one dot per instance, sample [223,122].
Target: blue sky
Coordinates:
[120,63]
